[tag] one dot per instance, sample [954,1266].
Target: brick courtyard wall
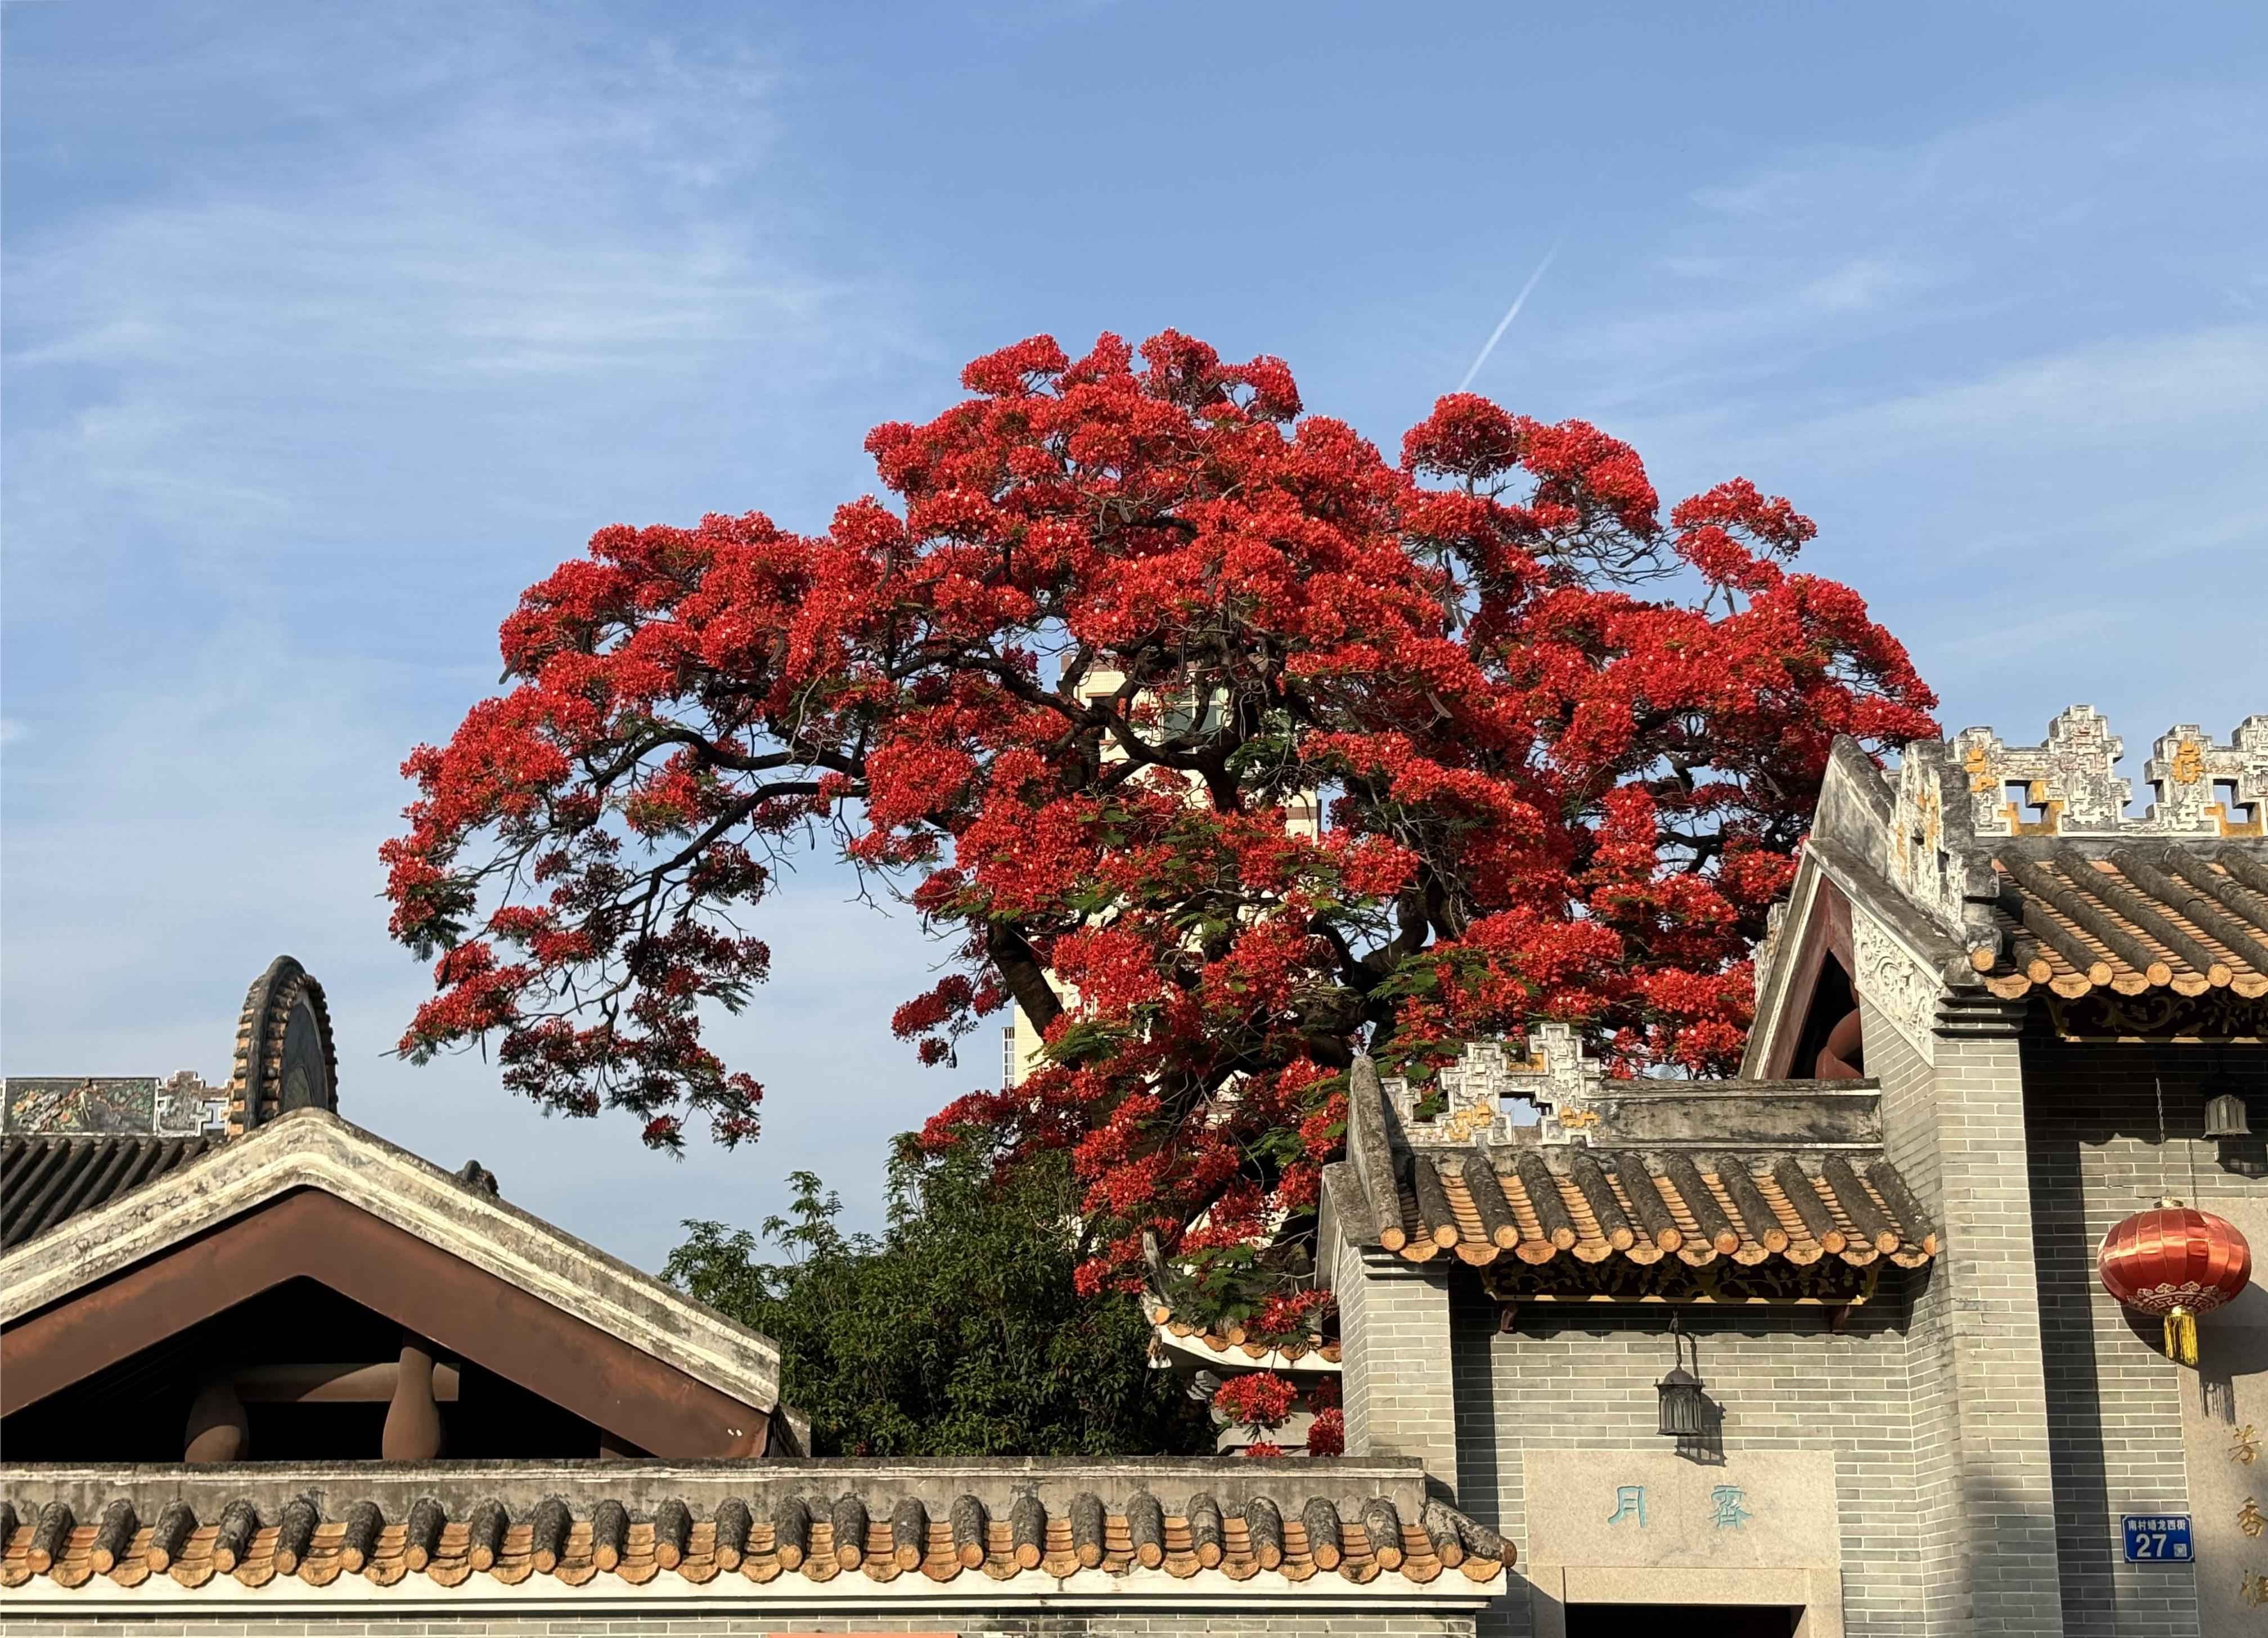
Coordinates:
[677,1623]
[1783,1380]
[1933,1399]
[1909,1126]
[1956,1126]
[2092,1133]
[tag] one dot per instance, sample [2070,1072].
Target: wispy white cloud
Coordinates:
[285,437]
[1512,312]
[1826,265]
[2002,366]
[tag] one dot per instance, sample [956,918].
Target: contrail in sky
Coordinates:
[1512,312]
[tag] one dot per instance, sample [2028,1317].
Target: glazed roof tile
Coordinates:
[1590,1205]
[1293,1535]
[2134,918]
[47,1180]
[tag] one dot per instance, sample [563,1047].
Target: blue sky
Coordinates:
[327,329]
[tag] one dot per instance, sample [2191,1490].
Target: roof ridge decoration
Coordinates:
[2027,857]
[284,1056]
[2071,778]
[1300,1532]
[285,1059]
[1724,1192]
[1578,1106]
[1557,1075]
[179,1106]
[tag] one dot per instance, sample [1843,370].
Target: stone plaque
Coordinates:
[1656,1509]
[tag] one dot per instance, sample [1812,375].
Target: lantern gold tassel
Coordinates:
[2180,1336]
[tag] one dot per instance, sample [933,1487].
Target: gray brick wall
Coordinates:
[1979,1487]
[1909,1126]
[2005,1493]
[1784,1382]
[1984,1492]
[1394,1322]
[2114,1402]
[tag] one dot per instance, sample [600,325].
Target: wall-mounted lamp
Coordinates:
[2225,1117]
[1682,1408]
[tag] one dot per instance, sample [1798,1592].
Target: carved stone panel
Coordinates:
[179,1106]
[1902,991]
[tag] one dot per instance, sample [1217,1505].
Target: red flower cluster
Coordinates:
[1327,1434]
[1221,744]
[1257,1399]
[1289,1317]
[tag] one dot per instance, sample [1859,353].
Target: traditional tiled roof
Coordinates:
[1232,1345]
[2133,918]
[1294,1529]
[1627,1175]
[45,1180]
[1592,1205]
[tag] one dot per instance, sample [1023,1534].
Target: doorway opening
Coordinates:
[1687,1620]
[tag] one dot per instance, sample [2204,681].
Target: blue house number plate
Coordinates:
[2157,1538]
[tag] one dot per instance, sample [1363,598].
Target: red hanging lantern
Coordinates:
[2175,1262]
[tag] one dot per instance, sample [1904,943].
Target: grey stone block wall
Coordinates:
[2114,1402]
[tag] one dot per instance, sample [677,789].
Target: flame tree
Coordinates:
[1118,618]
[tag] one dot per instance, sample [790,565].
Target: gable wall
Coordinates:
[2114,1402]
[1933,1510]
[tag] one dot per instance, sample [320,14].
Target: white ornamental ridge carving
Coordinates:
[1557,1076]
[2203,789]
[1902,990]
[2190,775]
[187,1106]
[1767,953]
[1920,863]
[2072,779]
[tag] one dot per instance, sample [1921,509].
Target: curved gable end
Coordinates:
[308,1196]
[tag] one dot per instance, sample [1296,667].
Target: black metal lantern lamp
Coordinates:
[1682,1407]
[2225,1117]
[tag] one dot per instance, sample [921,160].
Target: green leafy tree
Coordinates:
[959,1332]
